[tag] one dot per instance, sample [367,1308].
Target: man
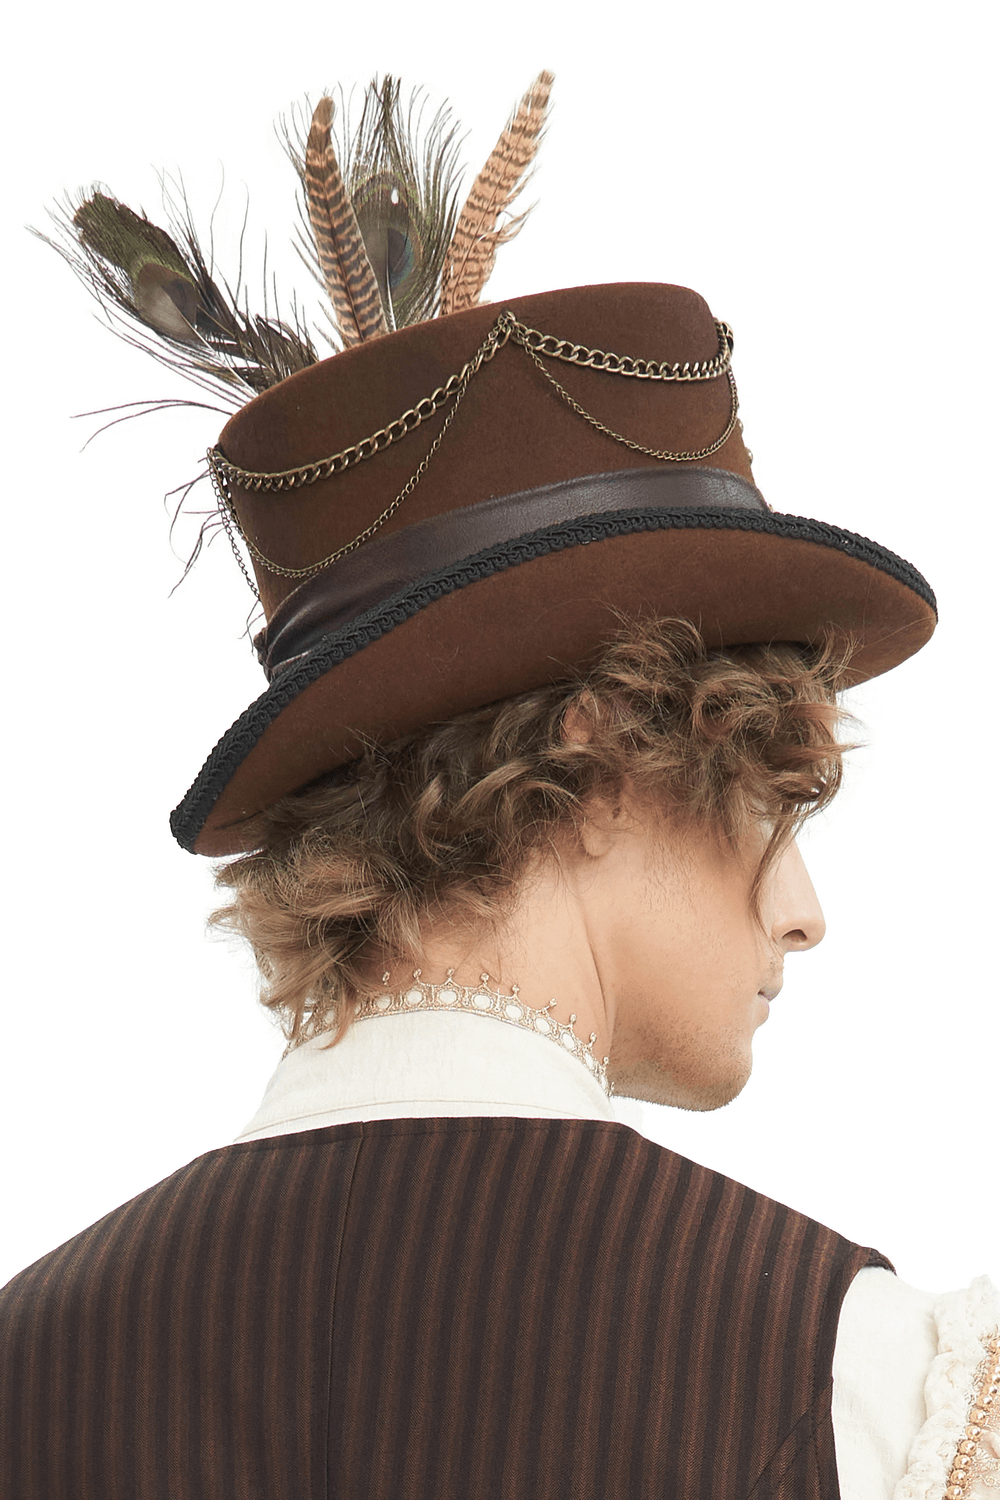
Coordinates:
[515,820]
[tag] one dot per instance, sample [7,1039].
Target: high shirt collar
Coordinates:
[428,1063]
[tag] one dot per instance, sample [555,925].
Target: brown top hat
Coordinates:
[463,510]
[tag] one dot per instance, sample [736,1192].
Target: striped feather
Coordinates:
[340,247]
[478,234]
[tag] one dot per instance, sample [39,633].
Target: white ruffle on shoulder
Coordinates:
[908,1368]
[958,1446]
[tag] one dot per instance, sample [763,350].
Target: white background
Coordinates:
[825,177]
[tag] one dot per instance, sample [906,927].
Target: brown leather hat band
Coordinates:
[390,564]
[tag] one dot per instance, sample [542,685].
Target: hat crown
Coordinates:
[356,428]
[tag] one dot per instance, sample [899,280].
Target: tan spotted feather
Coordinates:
[340,247]
[478,233]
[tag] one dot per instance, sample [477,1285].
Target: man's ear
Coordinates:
[606,817]
[577,727]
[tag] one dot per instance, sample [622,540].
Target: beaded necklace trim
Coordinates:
[480,1000]
[978,1458]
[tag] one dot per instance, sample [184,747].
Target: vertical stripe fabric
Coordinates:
[430,1309]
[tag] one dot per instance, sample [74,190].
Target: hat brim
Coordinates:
[536,609]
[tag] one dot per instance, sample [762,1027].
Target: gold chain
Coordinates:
[369,531]
[621,364]
[664,453]
[225,475]
[221,472]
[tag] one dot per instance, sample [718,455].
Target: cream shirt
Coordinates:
[907,1363]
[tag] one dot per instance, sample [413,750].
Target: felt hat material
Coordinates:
[522,541]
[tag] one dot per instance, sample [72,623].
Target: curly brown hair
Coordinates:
[445,819]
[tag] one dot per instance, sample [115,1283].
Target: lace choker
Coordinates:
[482,1001]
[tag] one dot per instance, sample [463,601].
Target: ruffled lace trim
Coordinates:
[956,1454]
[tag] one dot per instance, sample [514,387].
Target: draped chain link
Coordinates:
[226,476]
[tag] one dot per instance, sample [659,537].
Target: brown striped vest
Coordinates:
[442,1309]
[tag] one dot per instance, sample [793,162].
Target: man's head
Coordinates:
[709,759]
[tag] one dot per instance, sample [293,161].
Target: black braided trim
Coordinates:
[190,815]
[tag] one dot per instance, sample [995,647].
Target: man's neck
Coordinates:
[543,948]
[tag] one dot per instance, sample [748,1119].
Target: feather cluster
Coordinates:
[384,236]
[381,230]
[396,209]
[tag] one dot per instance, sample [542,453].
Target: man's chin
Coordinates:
[650,1083]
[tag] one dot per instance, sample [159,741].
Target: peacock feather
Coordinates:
[149,281]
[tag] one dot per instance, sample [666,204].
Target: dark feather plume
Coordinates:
[403,190]
[164,293]
[149,281]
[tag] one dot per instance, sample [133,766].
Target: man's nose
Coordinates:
[797,917]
